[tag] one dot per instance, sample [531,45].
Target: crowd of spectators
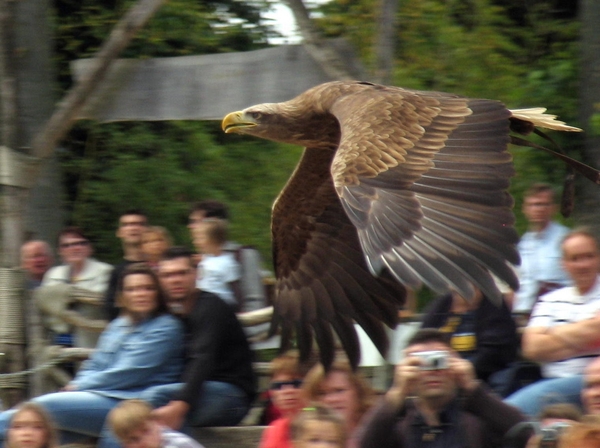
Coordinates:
[462,379]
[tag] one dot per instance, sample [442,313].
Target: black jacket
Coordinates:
[216,349]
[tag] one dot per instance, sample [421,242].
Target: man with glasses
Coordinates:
[540,270]
[218,380]
[80,270]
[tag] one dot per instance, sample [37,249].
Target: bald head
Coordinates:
[36,258]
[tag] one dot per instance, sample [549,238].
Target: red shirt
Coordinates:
[277,434]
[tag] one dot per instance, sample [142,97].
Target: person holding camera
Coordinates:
[436,401]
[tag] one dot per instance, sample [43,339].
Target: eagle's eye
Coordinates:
[256,115]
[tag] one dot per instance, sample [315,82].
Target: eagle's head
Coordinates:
[284,122]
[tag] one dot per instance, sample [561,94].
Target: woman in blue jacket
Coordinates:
[143,347]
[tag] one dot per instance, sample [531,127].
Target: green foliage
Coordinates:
[179,28]
[522,53]
[163,168]
[595,124]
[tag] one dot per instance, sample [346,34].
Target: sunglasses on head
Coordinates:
[278,385]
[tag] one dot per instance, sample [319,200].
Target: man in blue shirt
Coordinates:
[540,270]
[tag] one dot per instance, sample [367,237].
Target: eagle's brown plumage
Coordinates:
[393,183]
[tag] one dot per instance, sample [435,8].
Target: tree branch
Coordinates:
[63,117]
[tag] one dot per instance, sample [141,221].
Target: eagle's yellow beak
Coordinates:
[235,121]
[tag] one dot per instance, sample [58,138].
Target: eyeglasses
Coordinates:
[278,385]
[74,244]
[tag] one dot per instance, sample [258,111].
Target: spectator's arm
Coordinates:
[498,416]
[546,344]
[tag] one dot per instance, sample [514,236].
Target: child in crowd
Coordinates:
[553,421]
[316,427]
[286,395]
[155,241]
[31,427]
[218,271]
[132,423]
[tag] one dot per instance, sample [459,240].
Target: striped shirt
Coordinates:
[564,306]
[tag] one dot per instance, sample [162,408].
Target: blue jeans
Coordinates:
[220,404]
[77,415]
[533,398]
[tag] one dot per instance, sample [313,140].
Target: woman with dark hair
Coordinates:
[143,347]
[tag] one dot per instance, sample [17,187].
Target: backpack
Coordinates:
[254,294]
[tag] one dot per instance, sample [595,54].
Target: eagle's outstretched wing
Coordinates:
[396,182]
[424,179]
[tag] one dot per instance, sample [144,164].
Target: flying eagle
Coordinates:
[395,187]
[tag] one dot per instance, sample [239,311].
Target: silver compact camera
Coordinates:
[550,435]
[433,359]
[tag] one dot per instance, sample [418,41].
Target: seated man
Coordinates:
[563,332]
[131,225]
[219,382]
[540,269]
[479,331]
[436,401]
[36,259]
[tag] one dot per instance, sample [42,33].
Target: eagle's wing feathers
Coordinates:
[406,185]
[322,277]
[424,179]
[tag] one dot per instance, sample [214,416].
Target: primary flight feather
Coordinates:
[395,187]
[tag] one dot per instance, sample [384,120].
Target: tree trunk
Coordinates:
[43,212]
[587,208]
[386,41]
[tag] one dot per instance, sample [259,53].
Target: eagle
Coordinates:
[395,188]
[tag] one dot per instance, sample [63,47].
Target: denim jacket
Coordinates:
[130,358]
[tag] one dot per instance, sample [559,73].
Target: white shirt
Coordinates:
[541,261]
[94,277]
[214,274]
[564,306]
